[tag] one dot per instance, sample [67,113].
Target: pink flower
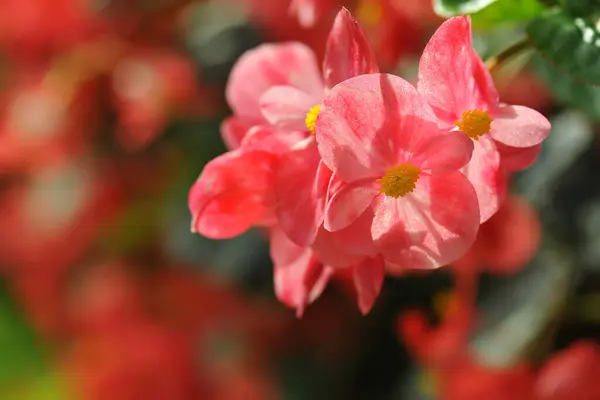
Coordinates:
[461,92]
[380,138]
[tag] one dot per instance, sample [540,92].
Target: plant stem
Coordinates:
[496,62]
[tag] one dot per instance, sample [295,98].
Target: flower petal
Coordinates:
[348,203]
[233,130]
[356,238]
[487,177]
[348,53]
[272,139]
[370,123]
[432,226]
[519,126]
[368,279]
[301,190]
[224,203]
[287,106]
[268,65]
[518,158]
[299,279]
[445,153]
[328,252]
[452,77]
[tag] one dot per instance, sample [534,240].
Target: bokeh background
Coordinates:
[108,111]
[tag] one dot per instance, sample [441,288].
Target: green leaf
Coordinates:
[571,44]
[503,12]
[449,8]
[582,7]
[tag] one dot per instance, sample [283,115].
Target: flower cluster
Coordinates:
[351,170]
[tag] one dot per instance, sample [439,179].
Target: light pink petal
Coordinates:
[487,177]
[301,190]
[233,130]
[268,65]
[348,203]
[272,139]
[370,123]
[430,227]
[452,77]
[446,153]
[286,107]
[328,251]
[519,126]
[305,11]
[348,53]
[368,279]
[299,279]
[518,158]
[356,238]
[224,203]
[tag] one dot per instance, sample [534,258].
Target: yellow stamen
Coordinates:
[369,12]
[311,118]
[399,181]
[474,123]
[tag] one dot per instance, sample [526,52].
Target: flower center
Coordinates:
[311,118]
[399,181]
[474,123]
[369,12]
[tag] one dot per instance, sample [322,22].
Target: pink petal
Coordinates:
[487,177]
[305,11]
[370,123]
[272,139]
[348,53]
[233,130]
[452,77]
[348,203]
[301,190]
[368,279]
[329,252]
[519,126]
[356,238]
[432,226]
[518,158]
[287,106]
[268,65]
[299,279]
[446,153]
[224,203]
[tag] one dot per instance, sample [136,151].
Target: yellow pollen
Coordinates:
[311,118]
[474,123]
[369,12]
[399,181]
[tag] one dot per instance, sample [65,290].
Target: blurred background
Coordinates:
[108,111]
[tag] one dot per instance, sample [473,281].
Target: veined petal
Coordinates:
[445,153]
[370,123]
[301,190]
[286,107]
[519,126]
[368,279]
[487,177]
[348,53]
[348,203]
[452,77]
[224,203]
[268,65]
[430,227]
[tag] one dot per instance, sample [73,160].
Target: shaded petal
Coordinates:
[301,190]
[519,126]
[299,279]
[348,203]
[328,252]
[430,227]
[348,53]
[268,65]
[518,158]
[452,77]
[446,153]
[224,203]
[356,238]
[368,279]
[234,129]
[272,139]
[487,177]
[286,107]
[370,123]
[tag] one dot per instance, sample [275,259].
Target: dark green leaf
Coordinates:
[571,44]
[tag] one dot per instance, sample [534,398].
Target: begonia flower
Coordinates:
[462,94]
